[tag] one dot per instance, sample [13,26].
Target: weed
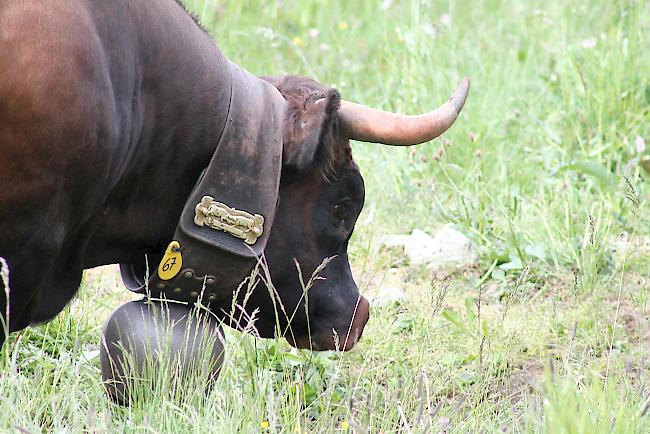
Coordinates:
[544,171]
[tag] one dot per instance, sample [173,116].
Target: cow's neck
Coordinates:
[172,95]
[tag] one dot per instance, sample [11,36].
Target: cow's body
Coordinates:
[100,103]
[109,113]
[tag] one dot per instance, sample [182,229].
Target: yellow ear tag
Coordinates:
[172,261]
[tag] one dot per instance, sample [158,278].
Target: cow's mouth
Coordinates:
[332,339]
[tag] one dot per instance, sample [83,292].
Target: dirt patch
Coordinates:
[635,324]
[522,381]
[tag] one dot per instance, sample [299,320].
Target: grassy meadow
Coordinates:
[543,171]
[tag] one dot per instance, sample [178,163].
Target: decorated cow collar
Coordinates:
[226,220]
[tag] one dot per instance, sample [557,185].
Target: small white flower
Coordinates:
[639,143]
[266,32]
[589,43]
[445,19]
[314,33]
[429,30]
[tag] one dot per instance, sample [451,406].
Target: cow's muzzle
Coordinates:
[335,338]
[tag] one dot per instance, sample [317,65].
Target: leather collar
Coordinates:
[226,220]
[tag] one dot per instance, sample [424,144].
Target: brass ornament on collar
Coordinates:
[219,216]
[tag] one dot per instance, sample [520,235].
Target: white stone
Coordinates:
[448,249]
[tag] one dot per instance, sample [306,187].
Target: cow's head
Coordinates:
[321,196]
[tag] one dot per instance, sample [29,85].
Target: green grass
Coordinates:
[540,171]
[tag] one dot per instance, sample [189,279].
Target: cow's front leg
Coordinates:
[28,261]
[56,294]
[19,292]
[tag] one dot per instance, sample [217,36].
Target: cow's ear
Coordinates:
[307,130]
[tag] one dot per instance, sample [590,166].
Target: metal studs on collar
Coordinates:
[184,290]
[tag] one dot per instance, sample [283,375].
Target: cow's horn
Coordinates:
[371,125]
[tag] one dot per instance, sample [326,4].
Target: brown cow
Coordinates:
[109,113]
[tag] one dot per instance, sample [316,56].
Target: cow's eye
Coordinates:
[340,212]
